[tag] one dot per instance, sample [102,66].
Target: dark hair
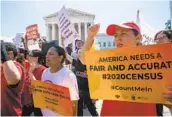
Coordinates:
[76,42]
[23,51]
[61,52]
[136,33]
[39,54]
[168,33]
[35,53]
[11,47]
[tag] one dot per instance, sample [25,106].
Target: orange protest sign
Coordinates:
[32,31]
[136,74]
[53,97]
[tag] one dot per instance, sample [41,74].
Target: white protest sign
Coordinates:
[66,28]
[32,45]
[147,31]
[18,40]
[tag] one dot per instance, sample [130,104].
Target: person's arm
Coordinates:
[31,76]
[92,31]
[33,66]
[75,107]
[68,57]
[11,72]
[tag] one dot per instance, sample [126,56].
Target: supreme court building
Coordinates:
[81,21]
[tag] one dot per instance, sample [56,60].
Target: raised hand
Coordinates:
[93,30]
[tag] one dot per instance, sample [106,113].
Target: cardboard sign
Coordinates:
[53,97]
[67,29]
[33,44]
[137,74]
[18,40]
[32,31]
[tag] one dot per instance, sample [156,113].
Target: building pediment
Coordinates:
[72,13]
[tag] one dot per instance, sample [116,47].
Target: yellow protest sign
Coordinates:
[136,74]
[52,97]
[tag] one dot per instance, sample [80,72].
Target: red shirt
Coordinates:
[27,94]
[11,96]
[122,108]
[38,72]
[26,65]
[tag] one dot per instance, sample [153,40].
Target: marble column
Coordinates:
[50,32]
[79,29]
[53,32]
[73,43]
[47,32]
[86,31]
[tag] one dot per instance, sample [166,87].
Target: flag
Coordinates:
[147,31]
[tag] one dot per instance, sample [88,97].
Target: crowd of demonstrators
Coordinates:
[82,80]
[164,36]
[34,73]
[16,95]
[34,65]
[126,35]
[12,81]
[20,66]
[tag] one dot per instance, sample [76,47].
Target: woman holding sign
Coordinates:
[164,36]
[59,75]
[126,35]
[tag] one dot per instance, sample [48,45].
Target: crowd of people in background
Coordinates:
[19,66]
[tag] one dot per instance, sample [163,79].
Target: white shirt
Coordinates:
[65,78]
[74,55]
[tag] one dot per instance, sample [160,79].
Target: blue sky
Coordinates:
[16,15]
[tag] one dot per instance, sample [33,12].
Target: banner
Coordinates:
[53,97]
[32,31]
[66,27]
[137,74]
